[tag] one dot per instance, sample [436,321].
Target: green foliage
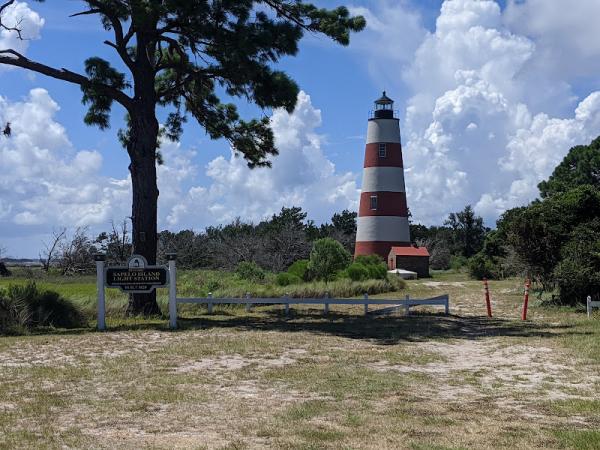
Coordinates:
[357,272]
[458,262]
[327,257]
[101,74]
[580,167]
[578,272]
[299,268]
[25,307]
[285,279]
[481,266]
[468,232]
[4,271]
[250,271]
[375,265]
[539,231]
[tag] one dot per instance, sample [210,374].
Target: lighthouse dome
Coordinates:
[384,107]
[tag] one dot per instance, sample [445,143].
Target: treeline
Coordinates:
[273,244]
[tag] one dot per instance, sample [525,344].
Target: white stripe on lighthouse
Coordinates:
[389,179]
[383,130]
[382,228]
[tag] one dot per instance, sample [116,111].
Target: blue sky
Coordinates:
[491,95]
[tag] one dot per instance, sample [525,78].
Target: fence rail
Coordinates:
[395,304]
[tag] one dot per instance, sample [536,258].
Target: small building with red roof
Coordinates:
[415,259]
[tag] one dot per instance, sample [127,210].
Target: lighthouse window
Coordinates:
[382,151]
[373,202]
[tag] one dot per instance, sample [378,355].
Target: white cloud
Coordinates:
[301,175]
[43,179]
[565,31]
[486,120]
[19,15]
[46,183]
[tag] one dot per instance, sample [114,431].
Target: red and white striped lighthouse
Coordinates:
[383,213]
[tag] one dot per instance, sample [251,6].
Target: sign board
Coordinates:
[137,276]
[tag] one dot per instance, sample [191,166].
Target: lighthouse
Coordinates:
[383,213]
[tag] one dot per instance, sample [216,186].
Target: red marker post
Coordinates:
[487,297]
[526,299]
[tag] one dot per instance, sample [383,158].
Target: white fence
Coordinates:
[248,301]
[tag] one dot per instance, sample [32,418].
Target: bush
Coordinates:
[458,262]
[376,267]
[357,272]
[4,272]
[327,257]
[578,272]
[27,307]
[250,271]
[299,268]
[481,267]
[285,279]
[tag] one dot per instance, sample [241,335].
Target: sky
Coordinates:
[490,95]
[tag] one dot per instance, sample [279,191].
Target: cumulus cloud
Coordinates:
[487,120]
[19,15]
[45,182]
[301,175]
[43,179]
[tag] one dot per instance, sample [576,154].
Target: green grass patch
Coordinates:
[579,439]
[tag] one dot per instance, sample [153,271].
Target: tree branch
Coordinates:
[18,60]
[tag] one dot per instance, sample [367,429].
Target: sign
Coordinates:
[137,276]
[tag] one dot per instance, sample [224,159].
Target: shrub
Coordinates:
[26,307]
[4,272]
[327,257]
[357,272]
[299,268]
[458,262]
[376,267]
[368,260]
[285,279]
[250,271]
[481,267]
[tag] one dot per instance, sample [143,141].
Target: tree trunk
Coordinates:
[142,151]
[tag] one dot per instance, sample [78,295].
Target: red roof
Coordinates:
[409,251]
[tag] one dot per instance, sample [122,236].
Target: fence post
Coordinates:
[526,300]
[287,304]
[247,301]
[589,305]
[447,304]
[326,307]
[407,305]
[210,303]
[172,257]
[366,303]
[488,304]
[99,258]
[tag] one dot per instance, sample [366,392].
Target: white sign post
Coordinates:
[172,290]
[99,258]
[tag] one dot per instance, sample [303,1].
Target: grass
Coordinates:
[261,380]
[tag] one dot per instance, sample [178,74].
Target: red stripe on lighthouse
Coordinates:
[392,158]
[388,204]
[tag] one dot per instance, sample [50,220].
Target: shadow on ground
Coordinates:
[384,330]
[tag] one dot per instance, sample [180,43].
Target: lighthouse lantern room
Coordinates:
[383,213]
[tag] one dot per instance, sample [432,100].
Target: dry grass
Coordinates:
[259,380]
